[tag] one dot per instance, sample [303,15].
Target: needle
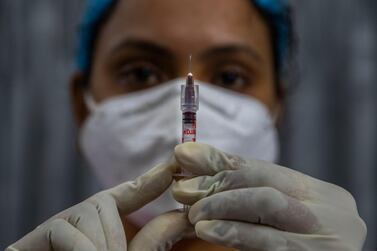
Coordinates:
[190,64]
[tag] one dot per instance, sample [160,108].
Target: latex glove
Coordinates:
[163,232]
[96,225]
[255,205]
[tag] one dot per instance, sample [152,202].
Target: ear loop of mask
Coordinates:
[89,102]
[275,117]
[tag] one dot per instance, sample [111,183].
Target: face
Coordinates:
[147,42]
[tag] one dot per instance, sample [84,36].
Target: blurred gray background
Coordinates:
[329,132]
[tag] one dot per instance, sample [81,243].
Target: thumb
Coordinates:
[163,232]
[132,195]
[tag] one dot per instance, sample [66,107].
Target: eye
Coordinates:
[140,75]
[231,77]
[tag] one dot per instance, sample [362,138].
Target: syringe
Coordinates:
[189,107]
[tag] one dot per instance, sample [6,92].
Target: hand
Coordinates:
[255,205]
[95,224]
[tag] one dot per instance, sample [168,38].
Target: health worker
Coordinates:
[132,59]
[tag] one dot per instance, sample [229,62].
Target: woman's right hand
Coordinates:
[95,224]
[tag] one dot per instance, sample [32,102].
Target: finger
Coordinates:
[132,195]
[230,172]
[262,205]
[84,217]
[244,236]
[111,222]
[202,159]
[57,235]
[162,232]
[190,191]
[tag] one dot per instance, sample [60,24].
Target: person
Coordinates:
[132,56]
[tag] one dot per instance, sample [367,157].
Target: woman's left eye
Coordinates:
[231,78]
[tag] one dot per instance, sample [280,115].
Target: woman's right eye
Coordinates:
[140,75]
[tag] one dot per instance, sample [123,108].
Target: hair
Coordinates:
[281,65]
[97,29]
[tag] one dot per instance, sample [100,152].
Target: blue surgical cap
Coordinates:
[276,11]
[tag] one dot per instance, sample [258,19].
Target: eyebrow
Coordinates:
[143,45]
[231,49]
[160,51]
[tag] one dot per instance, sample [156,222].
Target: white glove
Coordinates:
[255,205]
[96,225]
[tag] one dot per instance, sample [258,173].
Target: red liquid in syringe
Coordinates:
[189,127]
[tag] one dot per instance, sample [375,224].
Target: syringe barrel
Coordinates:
[188,127]
[188,134]
[189,107]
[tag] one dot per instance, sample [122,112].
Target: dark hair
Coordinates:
[282,64]
[97,28]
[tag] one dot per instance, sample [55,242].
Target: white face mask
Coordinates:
[127,135]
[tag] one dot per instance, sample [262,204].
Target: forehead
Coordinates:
[186,26]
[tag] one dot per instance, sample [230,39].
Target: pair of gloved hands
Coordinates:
[244,204]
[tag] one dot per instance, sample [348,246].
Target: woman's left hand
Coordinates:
[255,205]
